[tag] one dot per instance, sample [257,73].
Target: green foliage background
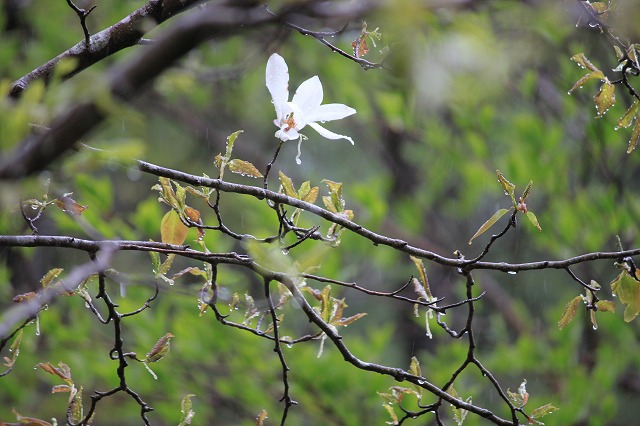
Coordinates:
[468,90]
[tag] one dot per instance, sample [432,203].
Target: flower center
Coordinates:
[290,122]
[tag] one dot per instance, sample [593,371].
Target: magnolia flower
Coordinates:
[304,109]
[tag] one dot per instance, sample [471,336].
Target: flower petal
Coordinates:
[277,78]
[330,112]
[308,97]
[329,134]
[288,135]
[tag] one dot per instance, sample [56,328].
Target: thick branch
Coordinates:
[117,37]
[39,150]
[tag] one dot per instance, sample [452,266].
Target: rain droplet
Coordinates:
[285,252]
[422,382]
[511,272]
[595,326]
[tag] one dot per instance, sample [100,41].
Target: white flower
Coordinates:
[304,109]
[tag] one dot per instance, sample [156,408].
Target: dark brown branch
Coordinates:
[107,42]
[82,15]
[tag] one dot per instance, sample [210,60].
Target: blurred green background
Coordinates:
[468,88]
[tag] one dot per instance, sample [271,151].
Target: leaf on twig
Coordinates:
[489,223]
[172,230]
[569,311]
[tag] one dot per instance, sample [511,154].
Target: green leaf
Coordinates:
[533,219]
[543,411]
[628,291]
[569,311]
[631,114]
[172,230]
[244,168]
[489,223]
[605,98]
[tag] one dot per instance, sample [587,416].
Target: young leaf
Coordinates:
[160,349]
[261,418]
[48,278]
[244,168]
[596,75]
[172,230]
[489,223]
[187,412]
[628,291]
[533,219]
[287,186]
[414,368]
[635,136]
[69,205]
[569,312]
[605,98]
[509,188]
[630,115]
[605,306]
[583,62]
[543,411]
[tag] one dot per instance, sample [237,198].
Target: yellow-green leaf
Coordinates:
[605,98]
[631,114]
[582,60]
[569,312]
[261,418]
[489,223]
[628,291]
[244,168]
[172,230]
[606,306]
[596,75]
[50,276]
[422,271]
[635,136]
[185,409]
[311,195]
[533,219]
[543,411]
[287,186]
[414,368]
